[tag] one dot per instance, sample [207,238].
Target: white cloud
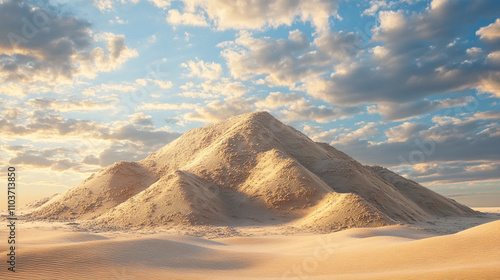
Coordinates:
[210,71]
[109,5]
[375,6]
[67,105]
[62,49]
[259,14]
[220,110]
[403,132]
[165,106]
[490,32]
[174,17]
[401,111]
[276,100]
[303,110]
[110,59]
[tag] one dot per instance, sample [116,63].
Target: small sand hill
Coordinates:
[249,169]
[98,193]
[341,211]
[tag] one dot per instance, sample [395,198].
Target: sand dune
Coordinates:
[394,252]
[250,169]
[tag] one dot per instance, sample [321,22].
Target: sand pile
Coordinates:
[248,170]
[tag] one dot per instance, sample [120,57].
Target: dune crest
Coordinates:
[250,169]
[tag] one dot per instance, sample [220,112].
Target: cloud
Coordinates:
[138,128]
[109,5]
[403,132]
[417,55]
[165,106]
[210,71]
[303,110]
[121,152]
[220,110]
[91,160]
[110,59]
[486,115]
[256,14]
[66,105]
[281,61]
[52,158]
[276,100]
[174,17]
[455,172]
[339,46]
[82,144]
[42,49]
[214,89]
[464,138]
[490,32]
[401,111]
[375,6]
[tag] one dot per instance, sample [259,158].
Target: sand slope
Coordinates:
[394,252]
[254,163]
[98,193]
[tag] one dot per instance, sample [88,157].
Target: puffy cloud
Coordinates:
[259,14]
[108,5]
[225,87]
[339,45]
[220,110]
[122,152]
[139,128]
[165,106]
[455,172]
[103,5]
[490,32]
[162,84]
[303,110]
[79,141]
[210,71]
[403,132]
[418,55]
[465,138]
[41,48]
[67,105]
[139,85]
[214,88]
[53,158]
[401,111]
[486,115]
[174,17]
[375,6]
[281,61]
[247,14]
[276,100]
[110,59]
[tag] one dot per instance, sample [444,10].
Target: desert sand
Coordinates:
[55,250]
[252,198]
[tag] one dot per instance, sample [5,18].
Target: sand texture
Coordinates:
[55,251]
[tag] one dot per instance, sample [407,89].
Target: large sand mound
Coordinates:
[248,169]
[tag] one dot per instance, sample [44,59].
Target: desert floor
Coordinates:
[465,248]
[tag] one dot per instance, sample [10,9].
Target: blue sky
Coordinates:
[410,85]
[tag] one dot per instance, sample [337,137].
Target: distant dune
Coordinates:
[248,170]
